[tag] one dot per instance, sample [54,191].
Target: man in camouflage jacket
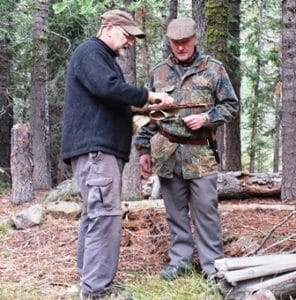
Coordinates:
[181,147]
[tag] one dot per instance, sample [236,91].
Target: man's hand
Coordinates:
[195,122]
[145,164]
[160,99]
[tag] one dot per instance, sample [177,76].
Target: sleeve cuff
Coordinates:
[143,151]
[206,118]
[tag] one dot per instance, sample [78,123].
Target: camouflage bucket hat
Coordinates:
[123,19]
[182,28]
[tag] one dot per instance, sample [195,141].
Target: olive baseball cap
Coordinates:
[123,19]
[181,28]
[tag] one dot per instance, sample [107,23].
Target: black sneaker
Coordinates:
[106,293]
[172,272]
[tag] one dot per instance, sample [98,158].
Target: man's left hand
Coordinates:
[194,122]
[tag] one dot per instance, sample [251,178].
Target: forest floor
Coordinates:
[42,260]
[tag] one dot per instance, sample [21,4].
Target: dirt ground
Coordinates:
[45,256]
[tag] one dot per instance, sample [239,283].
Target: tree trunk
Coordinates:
[232,129]
[6,113]
[131,173]
[289,101]
[217,13]
[145,50]
[199,16]
[256,103]
[21,164]
[173,13]
[39,103]
[277,127]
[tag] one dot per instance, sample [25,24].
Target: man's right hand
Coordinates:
[145,164]
[160,99]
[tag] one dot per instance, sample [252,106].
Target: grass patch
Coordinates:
[13,290]
[191,286]
[4,188]
[4,228]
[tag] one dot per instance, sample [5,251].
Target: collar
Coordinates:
[199,61]
[186,63]
[105,46]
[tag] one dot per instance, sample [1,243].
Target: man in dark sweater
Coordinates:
[96,141]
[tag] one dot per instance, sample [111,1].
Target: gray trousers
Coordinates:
[98,176]
[200,198]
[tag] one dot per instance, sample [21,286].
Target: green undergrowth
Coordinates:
[191,286]
[12,291]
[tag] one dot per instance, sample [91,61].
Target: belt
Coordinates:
[180,140]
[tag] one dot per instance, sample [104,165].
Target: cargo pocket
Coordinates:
[100,196]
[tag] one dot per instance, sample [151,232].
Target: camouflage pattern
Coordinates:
[205,81]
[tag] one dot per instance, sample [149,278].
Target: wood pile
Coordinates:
[242,277]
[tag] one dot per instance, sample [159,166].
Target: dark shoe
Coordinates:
[103,295]
[172,272]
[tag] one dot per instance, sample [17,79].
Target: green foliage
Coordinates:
[4,187]
[87,8]
[260,61]
[21,46]
[72,21]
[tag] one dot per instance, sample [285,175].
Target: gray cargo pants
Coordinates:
[98,176]
[200,197]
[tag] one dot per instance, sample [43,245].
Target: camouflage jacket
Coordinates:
[205,81]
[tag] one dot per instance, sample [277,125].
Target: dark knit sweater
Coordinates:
[97,113]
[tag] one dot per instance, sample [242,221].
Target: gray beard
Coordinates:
[122,53]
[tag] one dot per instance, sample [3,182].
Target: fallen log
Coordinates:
[246,185]
[233,277]
[241,277]
[237,185]
[236,263]
[283,287]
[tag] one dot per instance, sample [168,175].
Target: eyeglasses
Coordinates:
[126,34]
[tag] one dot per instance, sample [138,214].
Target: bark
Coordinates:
[39,119]
[216,45]
[232,129]
[234,277]
[277,129]
[256,104]
[216,31]
[246,185]
[199,16]
[145,50]
[236,263]
[131,173]
[21,164]
[242,276]
[289,99]
[283,287]
[6,114]
[173,14]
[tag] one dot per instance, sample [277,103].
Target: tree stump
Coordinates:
[21,160]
